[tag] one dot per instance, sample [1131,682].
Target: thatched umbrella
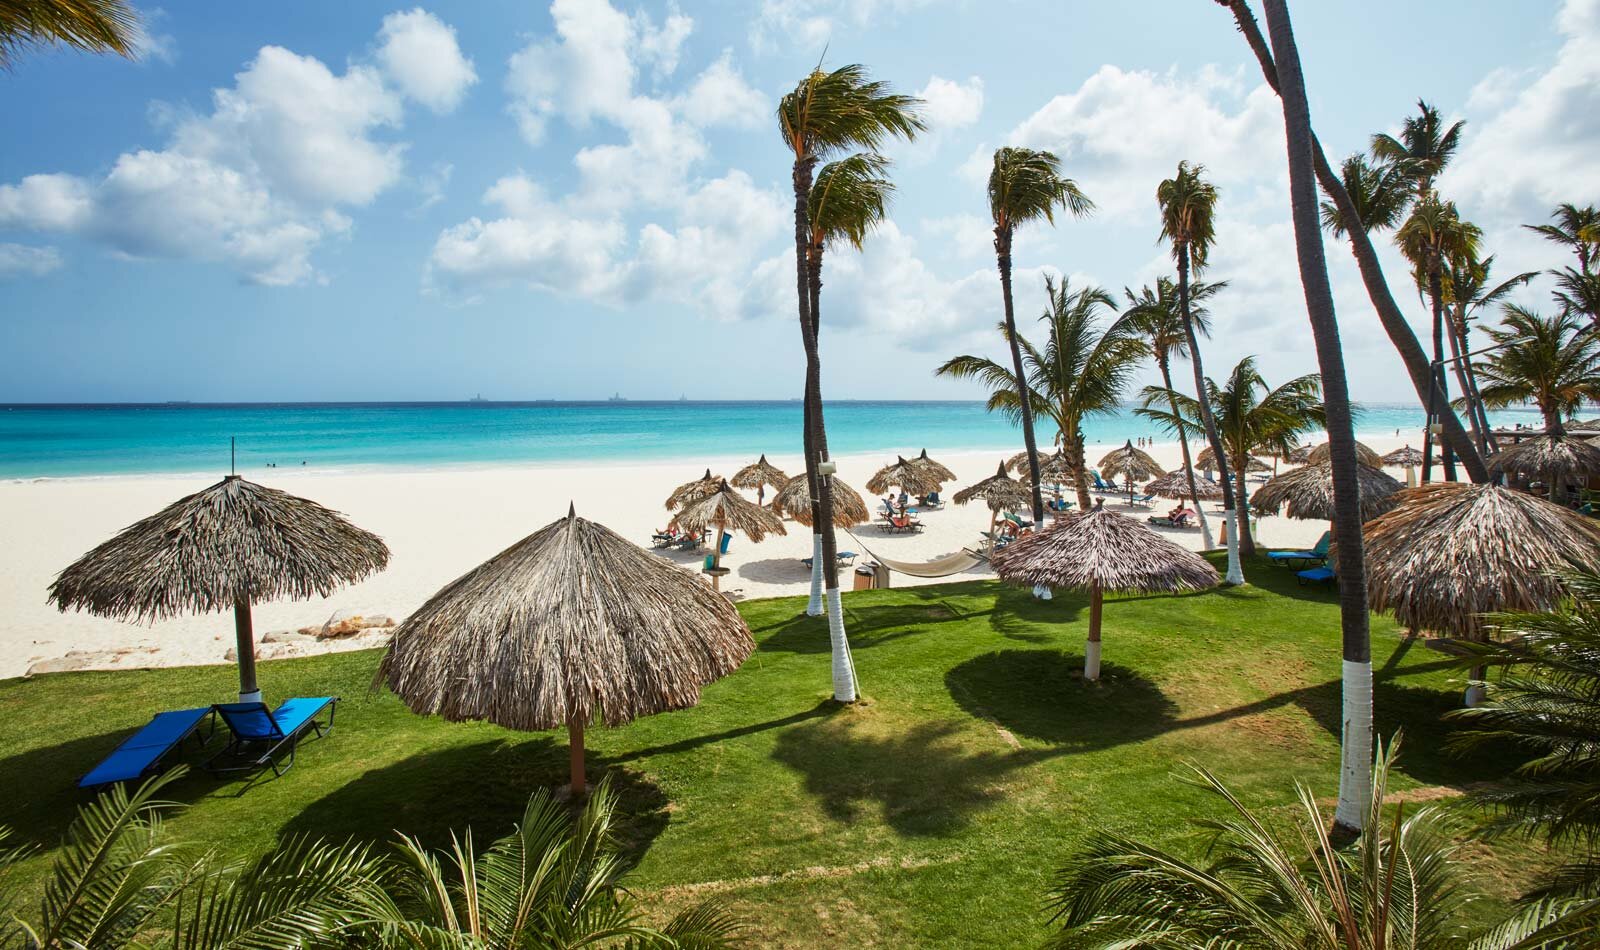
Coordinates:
[939,472]
[1134,465]
[1298,456]
[1552,457]
[1000,490]
[232,545]
[694,491]
[793,500]
[571,624]
[911,478]
[758,475]
[1101,551]
[1364,455]
[726,508]
[1175,485]
[1207,460]
[1450,552]
[1408,457]
[1308,492]
[1018,463]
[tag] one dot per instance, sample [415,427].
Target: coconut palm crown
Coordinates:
[1552,362]
[93,26]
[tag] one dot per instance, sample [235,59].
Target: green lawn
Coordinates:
[931,814]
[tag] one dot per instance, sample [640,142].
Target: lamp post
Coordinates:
[1436,371]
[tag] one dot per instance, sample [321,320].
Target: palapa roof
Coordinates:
[693,491]
[1129,462]
[1299,455]
[1175,485]
[1056,470]
[1450,551]
[1547,456]
[1407,456]
[758,473]
[1208,459]
[1364,455]
[572,622]
[905,475]
[729,510]
[794,501]
[1000,490]
[933,468]
[1102,548]
[1308,492]
[204,552]
[1018,463]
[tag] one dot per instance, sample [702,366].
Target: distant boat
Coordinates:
[617,397]
[683,398]
[478,398]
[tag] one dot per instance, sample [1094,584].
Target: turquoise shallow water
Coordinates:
[64,441]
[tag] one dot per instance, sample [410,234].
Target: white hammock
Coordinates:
[958,563]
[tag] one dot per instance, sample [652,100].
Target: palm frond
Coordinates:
[94,26]
[1027,185]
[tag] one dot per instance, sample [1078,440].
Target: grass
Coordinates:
[933,813]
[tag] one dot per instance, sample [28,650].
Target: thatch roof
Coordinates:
[1000,490]
[694,491]
[1175,485]
[758,473]
[235,541]
[1547,456]
[1407,456]
[1101,548]
[1364,455]
[571,622]
[1208,459]
[1018,463]
[1308,492]
[1056,470]
[1130,463]
[905,475]
[731,511]
[793,500]
[1450,551]
[933,468]
[1299,455]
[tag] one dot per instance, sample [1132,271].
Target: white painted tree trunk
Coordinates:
[1230,524]
[1355,765]
[844,669]
[1091,660]
[814,605]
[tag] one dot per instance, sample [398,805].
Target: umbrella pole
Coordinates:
[245,646]
[1091,650]
[575,747]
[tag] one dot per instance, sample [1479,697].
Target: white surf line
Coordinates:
[799,874]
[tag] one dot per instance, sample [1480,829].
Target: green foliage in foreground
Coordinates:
[930,815]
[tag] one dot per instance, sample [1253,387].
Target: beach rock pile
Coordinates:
[134,657]
[345,624]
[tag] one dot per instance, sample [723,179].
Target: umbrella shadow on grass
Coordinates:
[1018,615]
[1041,694]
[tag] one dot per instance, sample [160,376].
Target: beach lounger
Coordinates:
[1100,484]
[690,541]
[665,539]
[262,738]
[138,754]
[1316,575]
[1179,520]
[905,523]
[844,558]
[1317,554]
[931,501]
[1143,501]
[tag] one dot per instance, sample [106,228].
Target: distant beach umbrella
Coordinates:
[726,509]
[1056,470]
[939,472]
[1000,491]
[1364,455]
[1308,492]
[1298,456]
[1018,463]
[1131,465]
[1554,458]
[570,625]
[793,500]
[1450,552]
[694,491]
[907,476]
[1407,457]
[759,475]
[232,545]
[1099,551]
[1207,460]
[1175,485]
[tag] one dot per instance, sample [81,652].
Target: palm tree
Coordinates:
[1355,778]
[1578,292]
[1468,292]
[1552,362]
[1252,419]
[1026,185]
[1432,235]
[828,113]
[1399,885]
[1422,151]
[1379,194]
[1574,227]
[1188,220]
[94,26]
[1156,315]
[1545,704]
[1082,370]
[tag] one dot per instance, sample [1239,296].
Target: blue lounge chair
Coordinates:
[138,754]
[844,558]
[1316,575]
[1318,554]
[932,501]
[1144,500]
[1100,484]
[261,738]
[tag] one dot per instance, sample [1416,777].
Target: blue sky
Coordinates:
[357,200]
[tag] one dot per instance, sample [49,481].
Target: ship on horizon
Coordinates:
[617,397]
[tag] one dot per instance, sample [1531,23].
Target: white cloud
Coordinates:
[432,184]
[720,96]
[807,25]
[45,202]
[151,45]
[661,46]
[21,260]
[951,105]
[967,235]
[420,53]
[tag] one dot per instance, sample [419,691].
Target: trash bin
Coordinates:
[863,578]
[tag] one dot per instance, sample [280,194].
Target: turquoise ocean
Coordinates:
[61,441]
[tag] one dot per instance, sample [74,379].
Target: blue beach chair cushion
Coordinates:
[1318,552]
[139,753]
[1316,575]
[280,730]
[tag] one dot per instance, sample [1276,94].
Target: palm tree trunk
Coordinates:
[1486,446]
[1355,784]
[1247,544]
[844,682]
[1002,247]
[1436,293]
[1073,447]
[1208,421]
[1164,362]
[1394,322]
[814,455]
[1453,337]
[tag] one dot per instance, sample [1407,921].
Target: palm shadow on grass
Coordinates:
[1041,694]
[868,626]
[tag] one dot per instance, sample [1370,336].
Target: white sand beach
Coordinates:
[441,523]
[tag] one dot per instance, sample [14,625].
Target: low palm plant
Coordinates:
[1265,886]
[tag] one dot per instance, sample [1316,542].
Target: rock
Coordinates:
[232,656]
[287,636]
[311,631]
[376,620]
[61,664]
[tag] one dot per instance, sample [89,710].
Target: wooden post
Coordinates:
[575,747]
[244,636]
[1091,652]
